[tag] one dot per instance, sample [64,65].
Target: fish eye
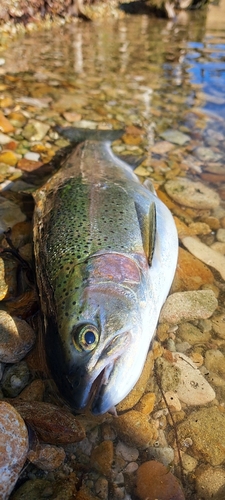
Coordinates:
[85,337]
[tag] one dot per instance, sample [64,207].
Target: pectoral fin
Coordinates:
[148,230]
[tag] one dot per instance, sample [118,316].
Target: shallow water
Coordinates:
[148,73]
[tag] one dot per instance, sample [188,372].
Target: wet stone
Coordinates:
[192,194]
[47,457]
[13,448]
[5,125]
[154,482]
[135,429]
[127,452]
[206,254]
[176,137]
[193,388]
[220,235]
[210,482]
[164,454]
[15,378]
[188,306]
[207,154]
[17,338]
[192,334]
[206,429]
[218,324]
[10,214]
[102,457]
[215,361]
[191,273]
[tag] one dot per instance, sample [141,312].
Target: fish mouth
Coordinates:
[96,402]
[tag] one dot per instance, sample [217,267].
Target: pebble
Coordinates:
[34,391]
[146,403]
[164,454]
[206,429]
[32,156]
[17,338]
[215,361]
[218,246]
[102,457]
[52,424]
[5,125]
[134,428]
[188,306]
[210,482]
[189,463]
[193,389]
[192,194]
[102,488]
[127,452]
[207,154]
[220,235]
[191,273]
[15,378]
[191,334]
[155,482]
[47,457]
[175,136]
[162,147]
[218,324]
[14,447]
[3,284]
[205,254]
[35,130]
[4,139]
[168,373]
[28,165]
[10,214]
[9,158]
[172,400]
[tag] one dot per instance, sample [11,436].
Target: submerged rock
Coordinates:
[192,389]
[188,306]
[14,448]
[206,430]
[175,136]
[154,482]
[17,338]
[192,194]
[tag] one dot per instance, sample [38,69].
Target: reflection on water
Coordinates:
[150,73]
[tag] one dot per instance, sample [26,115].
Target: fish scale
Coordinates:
[106,252]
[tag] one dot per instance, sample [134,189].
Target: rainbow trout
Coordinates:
[106,252]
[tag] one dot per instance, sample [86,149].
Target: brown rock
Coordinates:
[52,424]
[17,338]
[85,494]
[155,482]
[135,429]
[29,165]
[13,447]
[133,397]
[47,457]
[102,457]
[34,391]
[146,404]
[5,125]
[191,273]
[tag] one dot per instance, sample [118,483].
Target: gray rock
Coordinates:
[191,334]
[175,136]
[165,455]
[192,194]
[15,378]
[188,306]
[207,154]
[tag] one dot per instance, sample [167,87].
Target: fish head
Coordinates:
[99,353]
